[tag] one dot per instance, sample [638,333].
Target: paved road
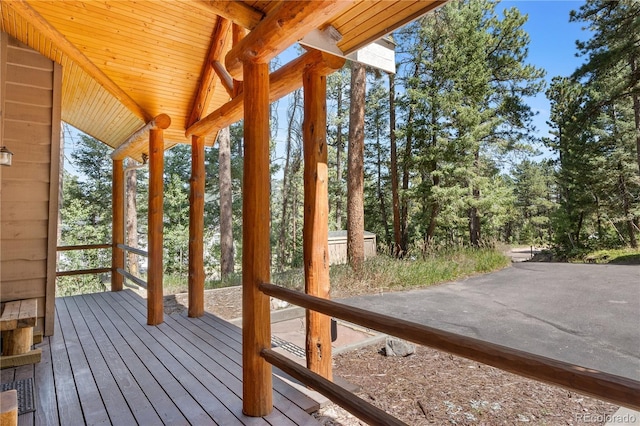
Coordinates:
[588,315]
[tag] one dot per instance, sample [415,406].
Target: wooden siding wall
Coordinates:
[30,127]
[338,248]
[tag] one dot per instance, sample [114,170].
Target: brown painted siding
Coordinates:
[30,120]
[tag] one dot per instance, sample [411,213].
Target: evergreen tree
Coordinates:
[465,80]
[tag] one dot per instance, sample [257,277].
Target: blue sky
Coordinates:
[553,44]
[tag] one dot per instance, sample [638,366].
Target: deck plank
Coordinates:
[45,394]
[174,343]
[226,332]
[165,378]
[228,335]
[118,410]
[152,388]
[210,357]
[218,413]
[91,402]
[104,365]
[69,408]
[25,372]
[130,392]
[295,411]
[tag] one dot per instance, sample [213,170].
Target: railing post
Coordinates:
[257,392]
[196,228]
[155,314]
[316,220]
[117,227]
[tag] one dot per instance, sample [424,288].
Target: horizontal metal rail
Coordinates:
[608,387]
[133,250]
[352,403]
[84,247]
[82,272]
[133,278]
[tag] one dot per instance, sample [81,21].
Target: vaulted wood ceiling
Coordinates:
[127,61]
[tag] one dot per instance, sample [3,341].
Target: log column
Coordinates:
[196,228]
[155,237]
[117,227]
[316,221]
[257,398]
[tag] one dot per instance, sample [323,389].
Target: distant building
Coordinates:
[338,246]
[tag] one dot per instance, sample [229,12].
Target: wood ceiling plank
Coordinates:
[367,31]
[117,17]
[339,21]
[44,27]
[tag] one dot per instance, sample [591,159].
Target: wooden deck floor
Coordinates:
[104,365]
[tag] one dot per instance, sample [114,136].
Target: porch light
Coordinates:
[5,156]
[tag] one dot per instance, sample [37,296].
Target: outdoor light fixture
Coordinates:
[5,156]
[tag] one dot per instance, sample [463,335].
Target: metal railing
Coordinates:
[129,276]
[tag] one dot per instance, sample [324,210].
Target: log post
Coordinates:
[117,227]
[257,392]
[17,341]
[155,225]
[9,408]
[196,228]
[316,220]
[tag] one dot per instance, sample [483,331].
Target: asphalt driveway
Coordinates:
[588,315]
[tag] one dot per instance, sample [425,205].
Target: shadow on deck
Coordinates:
[104,365]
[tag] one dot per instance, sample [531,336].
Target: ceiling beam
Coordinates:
[281,82]
[131,144]
[205,84]
[288,23]
[237,12]
[225,78]
[70,50]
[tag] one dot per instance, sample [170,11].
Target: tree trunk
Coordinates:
[474,218]
[287,175]
[131,219]
[579,228]
[355,172]
[636,113]
[435,209]
[226,204]
[406,165]
[626,210]
[383,206]
[393,172]
[339,153]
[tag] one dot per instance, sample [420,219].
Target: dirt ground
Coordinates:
[432,387]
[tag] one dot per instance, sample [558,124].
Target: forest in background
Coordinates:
[448,159]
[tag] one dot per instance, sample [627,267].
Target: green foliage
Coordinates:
[596,120]
[384,273]
[625,256]
[86,217]
[465,79]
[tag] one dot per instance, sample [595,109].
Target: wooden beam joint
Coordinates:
[286,24]
[133,142]
[284,80]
